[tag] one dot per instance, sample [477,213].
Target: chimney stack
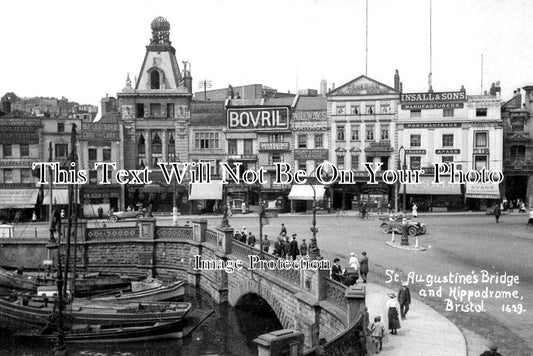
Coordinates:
[397,80]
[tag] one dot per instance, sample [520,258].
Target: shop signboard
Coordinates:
[274,146]
[432,125]
[317,154]
[258,118]
[453,151]
[433,100]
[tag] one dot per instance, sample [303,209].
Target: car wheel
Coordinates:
[413,230]
[422,229]
[139,216]
[385,228]
[113,218]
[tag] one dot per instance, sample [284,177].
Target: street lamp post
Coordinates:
[404,168]
[175,195]
[315,253]
[225,221]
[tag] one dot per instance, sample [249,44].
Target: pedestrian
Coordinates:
[336,270]
[251,239]
[62,213]
[492,351]
[389,208]
[377,330]
[392,312]
[404,299]
[228,210]
[215,209]
[530,221]
[100,212]
[293,248]
[414,210]
[303,249]
[243,231]
[244,238]
[353,261]
[278,247]
[128,209]
[287,247]
[363,266]
[522,208]
[237,236]
[243,207]
[379,207]
[363,211]
[497,212]
[283,230]
[34,217]
[266,244]
[405,232]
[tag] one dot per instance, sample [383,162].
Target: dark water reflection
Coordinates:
[228,331]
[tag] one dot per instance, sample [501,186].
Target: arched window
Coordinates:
[171,147]
[155,80]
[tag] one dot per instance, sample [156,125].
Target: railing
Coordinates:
[112,233]
[351,339]
[242,252]
[335,293]
[211,237]
[174,232]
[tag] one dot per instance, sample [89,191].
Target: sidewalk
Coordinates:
[425,332]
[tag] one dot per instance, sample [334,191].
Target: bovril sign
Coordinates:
[258,118]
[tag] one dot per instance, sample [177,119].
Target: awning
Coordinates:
[60,196]
[482,191]
[305,192]
[18,198]
[427,187]
[209,191]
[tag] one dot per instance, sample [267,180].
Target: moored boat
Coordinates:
[23,313]
[154,294]
[20,281]
[84,333]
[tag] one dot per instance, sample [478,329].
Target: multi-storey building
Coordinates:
[21,145]
[449,127]
[362,116]
[518,147]
[155,116]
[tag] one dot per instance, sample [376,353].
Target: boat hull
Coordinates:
[157,294]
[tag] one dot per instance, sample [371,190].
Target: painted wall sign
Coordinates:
[309,126]
[274,146]
[432,125]
[415,152]
[207,108]
[311,115]
[99,132]
[311,154]
[258,118]
[433,100]
[19,134]
[481,151]
[421,106]
[20,122]
[16,163]
[448,151]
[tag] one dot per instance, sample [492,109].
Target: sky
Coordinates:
[83,50]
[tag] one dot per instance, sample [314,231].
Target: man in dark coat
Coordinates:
[492,351]
[283,230]
[497,212]
[303,248]
[404,299]
[266,243]
[363,266]
[287,247]
[251,239]
[336,270]
[243,238]
[293,248]
[278,247]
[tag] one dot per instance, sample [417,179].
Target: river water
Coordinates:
[228,331]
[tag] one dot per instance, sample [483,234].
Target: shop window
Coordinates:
[60,127]
[155,80]
[518,153]
[319,140]
[355,134]
[248,147]
[340,161]
[232,147]
[139,110]
[414,162]
[480,162]
[106,154]
[8,175]
[481,139]
[7,150]
[384,132]
[61,150]
[302,141]
[370,133]
[447,140]
[447,112]
[416,141]
[355,162]
[481,112]
[355,110]
[93,154]
[340,133]
[416,113]
[170,110]
[25,175]
[24,150]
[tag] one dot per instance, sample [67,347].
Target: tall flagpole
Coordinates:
[430,79]
[366,42]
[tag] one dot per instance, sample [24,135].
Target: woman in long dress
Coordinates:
[393,311]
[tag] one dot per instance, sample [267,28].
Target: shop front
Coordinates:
[481,196]
[99,197]
[17,204]
[302,197]
[430,196]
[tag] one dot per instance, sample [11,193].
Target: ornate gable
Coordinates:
[363,85]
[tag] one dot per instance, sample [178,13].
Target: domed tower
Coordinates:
[160,31]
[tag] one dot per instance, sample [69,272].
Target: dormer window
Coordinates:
[155,81]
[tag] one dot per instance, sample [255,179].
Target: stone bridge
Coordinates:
[303,300]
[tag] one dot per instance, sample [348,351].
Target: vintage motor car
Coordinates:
[123,215]
[394,222]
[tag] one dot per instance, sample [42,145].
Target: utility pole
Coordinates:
[261,215]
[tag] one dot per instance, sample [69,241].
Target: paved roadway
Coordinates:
[462,244]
